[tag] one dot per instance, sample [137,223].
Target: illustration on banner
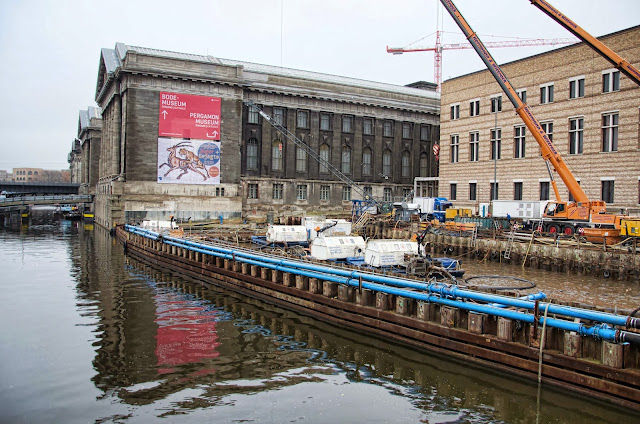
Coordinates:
[188,162]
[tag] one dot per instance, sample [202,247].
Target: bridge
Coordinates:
[39,188]
[17,203]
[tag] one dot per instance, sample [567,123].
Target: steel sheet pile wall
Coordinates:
[590,351]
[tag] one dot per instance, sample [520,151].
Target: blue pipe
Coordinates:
[328,274]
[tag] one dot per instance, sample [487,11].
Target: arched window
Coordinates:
[424,164]
[252,154]
[346,159]
[366,161]
[324,155]
[386,163]
[406,164]
[276,155]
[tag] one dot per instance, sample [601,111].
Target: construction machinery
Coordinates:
[583,215]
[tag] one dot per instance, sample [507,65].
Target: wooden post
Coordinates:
[505,329]
[477,322]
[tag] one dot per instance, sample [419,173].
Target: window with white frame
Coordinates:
[496,103]
[610,132]
[453,191]
[406,130]
[325,122]
[455,146]
[546,93]
[576,87]
[519,141]
[301,160]
[522,93]
[610,81]
[386,163]
[303,119]
[607,190]
[544,190]
[324,192]
[517,190]
[386,194]
[254,116]
[368,192]
[473,189]
[252,154]
[548,129]
[474,107]
[406,164]
[346,193]
[576,128]
[366,161]
[301,192]
[474,146]
[455,111]
[496,143]
[277,191]
[494,187]
[253,191]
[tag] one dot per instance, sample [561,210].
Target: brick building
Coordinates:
[379,135]
[589,110]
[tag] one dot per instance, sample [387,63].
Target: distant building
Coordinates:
[84,158]
[5,176]
[229,161]
[27,174]
[589,110]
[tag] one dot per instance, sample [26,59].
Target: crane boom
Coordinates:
[304,146]
[549,152]
[623,65]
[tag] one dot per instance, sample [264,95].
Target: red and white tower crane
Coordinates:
[439,47]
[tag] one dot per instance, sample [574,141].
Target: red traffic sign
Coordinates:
[189,116]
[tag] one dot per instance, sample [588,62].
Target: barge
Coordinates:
[583,350]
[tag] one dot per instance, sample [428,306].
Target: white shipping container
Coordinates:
[337,247]
[342,227]
[381,253]
[521,209]
[286,234]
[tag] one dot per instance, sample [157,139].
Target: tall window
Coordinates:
[610,132]
[474,146]
[453,191]
[347,124]
[406,164]
[496,104]
[455,112]
[324,156]
[277,191]
[544,190]
[473,191]
[253,191]
[576,87]
[252,154]
[425,133]
[548,129]
[610,81]
[517,190]
[455,146]
[366,161]
[496,143]
[325,122]
[367,126]
[406,130]
[576,126]
[368,192]
[324,192]
[254,116]
[301,192]
[424,164]
[276,155]
[519,142]
[546,93]
[607,190]
[346,160]
[278,115]
[386,163]
[386,194]
[301,160]
[346,193]
[494,191]
[387,129]
[303,119]
[522,94]
[474,108]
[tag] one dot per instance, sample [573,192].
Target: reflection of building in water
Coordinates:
[234,345]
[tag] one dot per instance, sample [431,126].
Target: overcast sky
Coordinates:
[50,50]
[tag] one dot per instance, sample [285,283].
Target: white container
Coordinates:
[381,253]
[337,247]
[286,234]
[521,209]
[159,225]
[342,227]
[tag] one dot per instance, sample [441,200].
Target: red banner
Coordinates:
[189,116]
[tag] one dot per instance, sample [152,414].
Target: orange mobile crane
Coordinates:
[583,215]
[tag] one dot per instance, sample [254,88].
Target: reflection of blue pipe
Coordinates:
[439,293]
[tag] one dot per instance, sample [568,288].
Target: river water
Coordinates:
[89,335]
